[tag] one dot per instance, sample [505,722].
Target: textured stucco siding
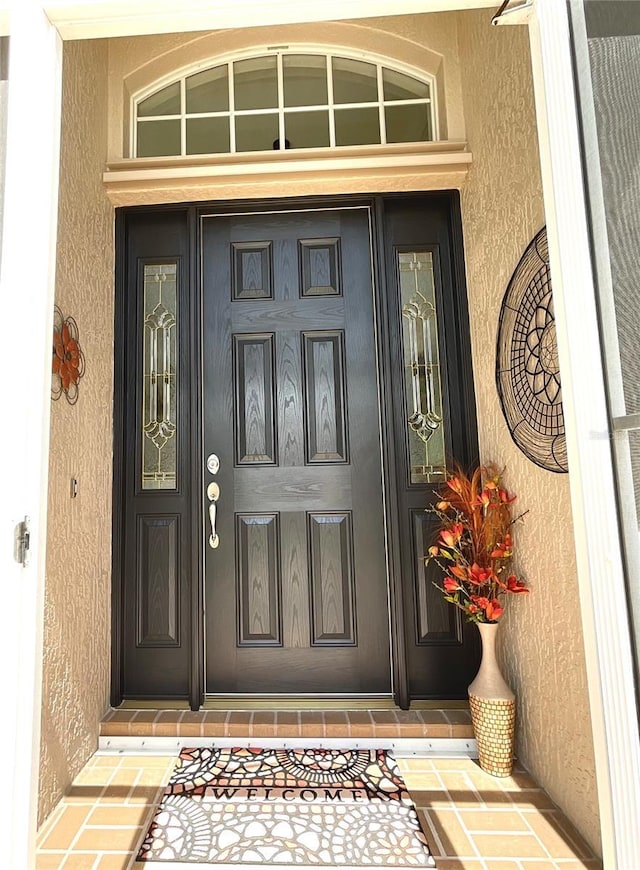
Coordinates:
[77,612]
[543,649]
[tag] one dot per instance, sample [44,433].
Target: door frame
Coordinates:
[382,277]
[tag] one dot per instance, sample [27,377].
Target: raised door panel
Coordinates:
[435,620]
[325,391]
[259,593]
[332,586]
[253,357]
[158,593]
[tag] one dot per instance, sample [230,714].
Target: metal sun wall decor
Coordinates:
[527,369]
[68,359]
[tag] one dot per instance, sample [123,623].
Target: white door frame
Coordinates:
[36,27]
[27,272]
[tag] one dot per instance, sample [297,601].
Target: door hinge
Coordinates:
[22,541]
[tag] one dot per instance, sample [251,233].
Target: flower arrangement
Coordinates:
[475,546]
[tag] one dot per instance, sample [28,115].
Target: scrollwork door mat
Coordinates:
[301,807]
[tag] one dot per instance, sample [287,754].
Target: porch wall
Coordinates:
[543,650]
[77,611]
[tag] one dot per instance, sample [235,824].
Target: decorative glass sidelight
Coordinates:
[159,398]
[425,431]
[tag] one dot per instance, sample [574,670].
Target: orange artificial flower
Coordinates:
[515,585]
[452,535]
[475,544]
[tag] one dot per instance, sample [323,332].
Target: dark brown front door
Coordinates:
[296,596]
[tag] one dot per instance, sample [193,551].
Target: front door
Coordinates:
[252,360]
[296,597]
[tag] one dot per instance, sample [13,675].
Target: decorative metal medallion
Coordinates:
[527,369]
[68,359]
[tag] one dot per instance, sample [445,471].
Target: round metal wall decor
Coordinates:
[527,369]
[68,360]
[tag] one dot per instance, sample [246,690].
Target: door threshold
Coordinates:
[297,702]
[279,702]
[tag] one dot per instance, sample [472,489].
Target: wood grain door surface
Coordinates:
[296,596]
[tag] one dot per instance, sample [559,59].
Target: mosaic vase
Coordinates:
[493,708]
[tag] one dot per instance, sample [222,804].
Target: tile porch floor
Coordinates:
[472,821]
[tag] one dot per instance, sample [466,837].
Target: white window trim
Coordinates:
[325,50]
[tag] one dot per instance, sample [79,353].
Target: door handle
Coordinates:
[213,494]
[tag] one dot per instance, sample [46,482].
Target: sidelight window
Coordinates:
[423,388]
[159,400]
[284,100]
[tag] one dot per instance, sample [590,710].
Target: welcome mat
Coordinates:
[319,807]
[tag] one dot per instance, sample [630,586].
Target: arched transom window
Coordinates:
[284,100]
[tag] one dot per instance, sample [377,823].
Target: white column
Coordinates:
[595,516]
[27,293]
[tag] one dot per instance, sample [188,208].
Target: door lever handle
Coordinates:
[213,494]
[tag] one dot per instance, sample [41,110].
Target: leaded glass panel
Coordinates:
[425,431]
[159,384]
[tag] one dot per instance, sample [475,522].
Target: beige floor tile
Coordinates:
[561,843]
[427,783]
[85,861]
[108,839]
[49,822]
[436,800]
[505,865]
[531,799]
[114,862]
[127,816]
[455,764]
[155,777]
[94,776]
[66,827]
[509,846]
[148,761]
[83,795]
[518,779]
[536,865]
[106,760]
[459,864]
[144,794]
[452,840]
[115,794]
[124,776]
[49,860]
[460,789]
[490,820]
[495,798]
[415,764]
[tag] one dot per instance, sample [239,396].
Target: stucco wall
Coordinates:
[502,206]
[76,634]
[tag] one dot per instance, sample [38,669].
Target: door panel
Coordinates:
[434,420]
[152,616]
[296,591]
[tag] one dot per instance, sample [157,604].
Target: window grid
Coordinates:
[381,104]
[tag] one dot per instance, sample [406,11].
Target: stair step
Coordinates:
[369,724]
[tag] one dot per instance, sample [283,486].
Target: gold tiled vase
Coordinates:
[493,708]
